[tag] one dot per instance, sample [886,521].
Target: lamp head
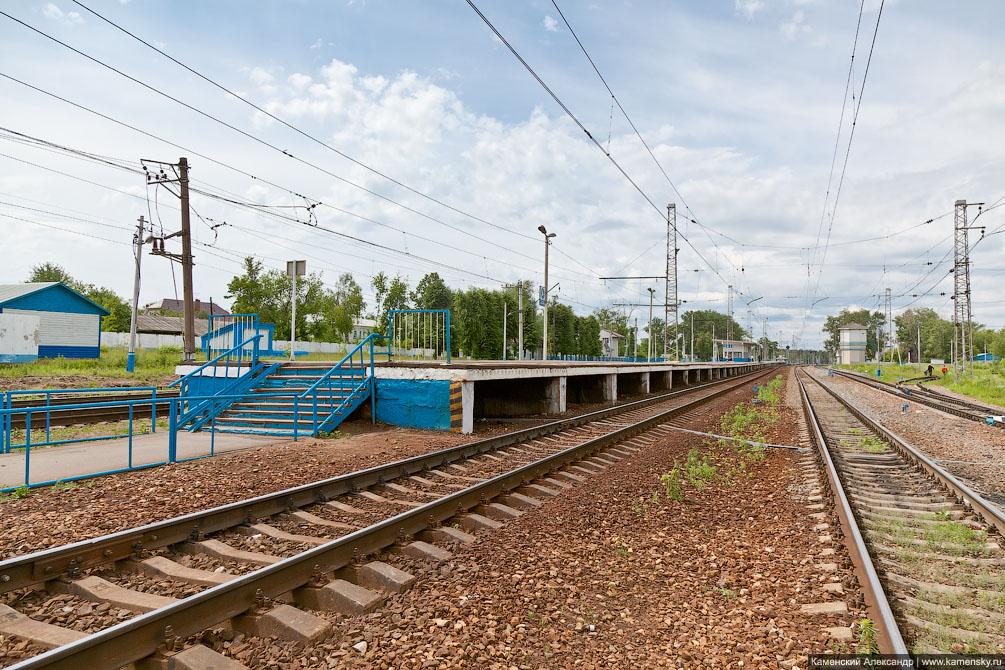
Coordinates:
[542,229]
[551,234]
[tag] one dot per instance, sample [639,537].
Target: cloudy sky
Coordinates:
[423,144]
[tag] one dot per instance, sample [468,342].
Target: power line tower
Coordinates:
[729,314]
[963,333]
[889,319]
[670,302]
[180,174]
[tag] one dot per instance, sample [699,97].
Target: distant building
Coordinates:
[361,328]
[609,345]
[69,323]
[736,351]
[168,325]
[172,306]
[851,347]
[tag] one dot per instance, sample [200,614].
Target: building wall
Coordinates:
[414,403]
[852,347]
[67,334]
[18,338]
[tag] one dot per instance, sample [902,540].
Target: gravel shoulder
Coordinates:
[940,436]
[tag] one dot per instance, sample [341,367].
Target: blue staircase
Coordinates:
[276,404]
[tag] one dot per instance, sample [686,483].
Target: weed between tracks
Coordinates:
[746,425]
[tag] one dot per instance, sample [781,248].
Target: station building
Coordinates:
[69,325]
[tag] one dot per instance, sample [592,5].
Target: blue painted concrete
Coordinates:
[17,358]
[199,385]
[416,403]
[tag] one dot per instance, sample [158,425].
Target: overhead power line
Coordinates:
[280,150]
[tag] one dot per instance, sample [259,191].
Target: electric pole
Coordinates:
[729,314]
[181,170]
[504,329]
[963,335]
[889,319]
[138,246]
[544,296]
[670,296]
[519,289]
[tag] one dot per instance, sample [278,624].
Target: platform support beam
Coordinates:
[556,395]
[467,407]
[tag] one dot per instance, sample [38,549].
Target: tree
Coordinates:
[268,295]
[390,294]
[706,323]
[431,293]
[349,296]
[46,272]
[932,329]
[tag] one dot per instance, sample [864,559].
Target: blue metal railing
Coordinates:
[7,430]
[222,336]
[175,405]
[327,384]
[237,353]
[420,332]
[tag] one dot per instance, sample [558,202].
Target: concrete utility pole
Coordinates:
[547,243]
[186,261]
[138,245]
[294,269]
[161,177]
[889,319]
[650,348]
[519,289]
[504,330]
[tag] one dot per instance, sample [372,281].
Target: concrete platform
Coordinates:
[74,460]
[452,396]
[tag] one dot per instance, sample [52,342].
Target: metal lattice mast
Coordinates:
[670,302]
[961,288]
[889,320]
[729,314]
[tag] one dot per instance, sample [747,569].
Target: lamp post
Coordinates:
[649,328]
[547,243]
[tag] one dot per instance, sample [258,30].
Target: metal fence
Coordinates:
[419,334]
[227,330]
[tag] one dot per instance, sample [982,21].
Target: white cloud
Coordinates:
[298,81]
[550,24]
[318,43]
[796,27]
[748,8]
[51,11]
[260,76]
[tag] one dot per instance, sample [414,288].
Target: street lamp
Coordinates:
[649,328]
[547,243]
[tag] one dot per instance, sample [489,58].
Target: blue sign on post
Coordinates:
[540,296]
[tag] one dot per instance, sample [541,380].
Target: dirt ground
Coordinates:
[80,382]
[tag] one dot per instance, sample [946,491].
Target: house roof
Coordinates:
[613,334]
[12,292]
[168,325]
[174,305]
[852,326]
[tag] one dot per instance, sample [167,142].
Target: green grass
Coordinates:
[150,365]
[987,385]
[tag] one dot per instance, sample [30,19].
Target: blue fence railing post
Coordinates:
[130,437]
[295,406]
[153,411]
[448,335]
[27,447]
[173,430]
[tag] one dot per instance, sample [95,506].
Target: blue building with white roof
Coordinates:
[69,323]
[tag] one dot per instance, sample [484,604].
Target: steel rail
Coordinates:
[963,493]
[956,406]
[141,636]
[62,417]
[30,569]
[892,642]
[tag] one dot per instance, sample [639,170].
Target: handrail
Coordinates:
[205,365]
[337,366]
[345,401]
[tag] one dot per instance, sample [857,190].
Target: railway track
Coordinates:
[87,415]
[927,550]
[235,567]
[967,409]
